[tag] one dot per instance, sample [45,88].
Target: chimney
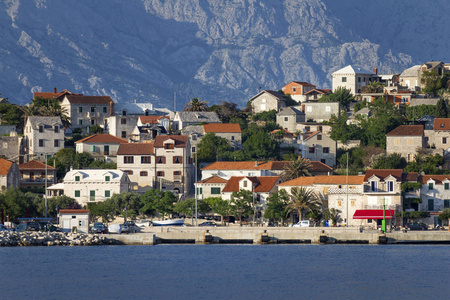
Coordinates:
[55,90]
[256,163]
[375,70]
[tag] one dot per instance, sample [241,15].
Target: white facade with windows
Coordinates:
[43,135]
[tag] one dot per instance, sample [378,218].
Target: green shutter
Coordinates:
[92,195]
[215,190]
[430,204]
[77,194]
[77,178]
[446,203]
[107,194]
[430,186]
[446,186]
[92,148]
[107,178]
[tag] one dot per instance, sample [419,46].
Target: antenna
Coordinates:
[175,100]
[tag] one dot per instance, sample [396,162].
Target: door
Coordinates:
[66,225]
[106,150]
[430,204]
[91,195]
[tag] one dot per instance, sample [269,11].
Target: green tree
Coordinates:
[332,214]
[196,105]
[297,168]
[392,161]
[416,112]
[212,147]
[17,204]
[302,200]
[55,110]
[441,109]
[433,82]
[82,160]
[148,202]
[226,111]
[219,206]
[277,206]
[260,145]
[374,87]
[445,215]
[11,115]
[187,207]
[342,95]
[56,203]
[267,116]
[164,205]
[126,204]
[104,210]
[241,204]
[342,131]
[95,129]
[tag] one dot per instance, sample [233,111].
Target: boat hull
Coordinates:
[178,222]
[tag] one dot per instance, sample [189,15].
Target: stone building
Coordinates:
[267,100]
[405,140]
[43,135]
[9,174]
[353,78]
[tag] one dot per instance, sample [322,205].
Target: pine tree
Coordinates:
[441,109]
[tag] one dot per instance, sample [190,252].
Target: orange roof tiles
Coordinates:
[222,127]
[332,179]
[213,179]
[383,173]
[34,164]
[437,178]
[180,140]
[263,183]
[441,124]
[151,119]
[320,166]
[246,165]
[407,130]
[136,149]
[5,165]
[74,211]
[103,138]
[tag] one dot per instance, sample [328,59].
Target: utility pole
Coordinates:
[196,190]
[347,191]
[46,184]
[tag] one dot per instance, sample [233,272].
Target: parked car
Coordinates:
[21,227]
[115,228]
[33,226]
[416,226]
[302,224]
[208,223]
[132,228]
[124,228]
[99,227]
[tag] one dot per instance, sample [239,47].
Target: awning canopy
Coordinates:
[373,214]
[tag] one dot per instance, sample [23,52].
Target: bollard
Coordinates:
[208,238]
[382,239]
[323,239]
[265,238]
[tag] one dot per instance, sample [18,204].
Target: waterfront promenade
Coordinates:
[277,235]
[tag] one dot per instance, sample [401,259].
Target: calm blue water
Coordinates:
[226,272]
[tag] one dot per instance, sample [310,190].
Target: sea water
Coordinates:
[226,272]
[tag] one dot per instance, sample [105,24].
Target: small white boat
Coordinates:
[177,222]
[143,223]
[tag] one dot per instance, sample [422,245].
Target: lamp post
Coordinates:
[196,190]
[347,192]
[46,184]
[383,223]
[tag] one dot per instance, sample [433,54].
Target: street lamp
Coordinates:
[347,191]
[46,184]
[196,190]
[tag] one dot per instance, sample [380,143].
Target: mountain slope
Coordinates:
[155,50]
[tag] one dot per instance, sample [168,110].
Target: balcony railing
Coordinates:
[344,191]
[388,207]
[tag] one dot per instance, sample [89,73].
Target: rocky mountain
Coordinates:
[161,50]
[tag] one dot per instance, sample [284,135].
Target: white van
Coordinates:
[302,224]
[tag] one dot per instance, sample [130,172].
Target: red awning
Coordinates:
[373,214]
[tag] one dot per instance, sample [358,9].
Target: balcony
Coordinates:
[343,190]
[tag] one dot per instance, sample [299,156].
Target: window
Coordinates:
[160,173]
[80,122]
[307,128]
[92,195]
[92,109]
[339,203]
[352,203]
[77,178]
[410,142]
[199,191]
[41,143]
[107,178]
[80,109]
[442,125]
[215,190]
[146,160]
[344,79]
[245,183]
[124,112]
[373,186]
[41,128]
[129,172]
[390,186]
[123,121]
[430,186]
[92,148]
[128,159]
[124,134]
[446,203]
[322,160]
[194,137]
[92,122]
[396,142]
[319,137]
[286,119]
[160,159]
[446,186]
[77,194]
[56,129]
[312,149]
[168,146]
[232,137]
[326,150]
[294,89]
[105,109]
[143,173]
[444,140]
[359,79]
[430,204]
[177,159]
[176,173]
[56,143]
[193,149]
[327,108]
[107,194]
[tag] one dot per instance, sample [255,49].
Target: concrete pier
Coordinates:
[277,235]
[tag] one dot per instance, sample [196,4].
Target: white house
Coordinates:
[353,78]
[74,220]
[43,135]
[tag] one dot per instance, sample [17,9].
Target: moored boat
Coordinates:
[176,222]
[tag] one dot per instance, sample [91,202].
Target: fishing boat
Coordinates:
[176,222]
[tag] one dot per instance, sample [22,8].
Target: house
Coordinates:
[54,95]
[34,174]
[210,187]
[74,220]
[100,145]
[165,164]
[410,78]
[320,111]
[439,137]
[229,131]
[435,196]
[43,136]
[405,140]
[93,185]
[183,119]
[289,117]
[12,147]
[297,90]
[154,120]
[85,111]
[134,108]
[121,126]
[316,94]
[317,146]
[148,133]
[353,78]
[285,138]
[267,100]
[9,174]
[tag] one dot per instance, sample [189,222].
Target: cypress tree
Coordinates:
[441,109]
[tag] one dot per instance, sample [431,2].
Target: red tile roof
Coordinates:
[34,164]
[222,127]
[263,183]
[320,91]
[383,173]
[246,165]
[57,95]
[213,179]
[5,165]
[437,178]
[136,149]
[89,99]
[407,130]
[441,124]
[303,83]
[103,138]
[319,166]
[73,211]
[180,140]
[151,119]
[332,179]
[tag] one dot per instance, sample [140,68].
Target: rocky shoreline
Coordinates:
[11,239]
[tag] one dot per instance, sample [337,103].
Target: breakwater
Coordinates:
[8,238]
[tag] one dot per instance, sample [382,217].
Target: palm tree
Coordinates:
[303,200]
[196,105]
[297,168]
[55,110]
[30,110]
